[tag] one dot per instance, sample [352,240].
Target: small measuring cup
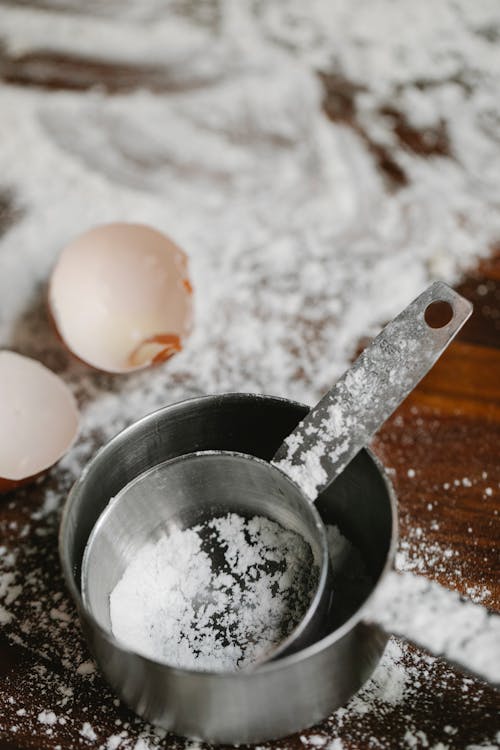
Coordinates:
[201,485]
[189,491]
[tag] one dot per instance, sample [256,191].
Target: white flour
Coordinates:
[217,596]
[297,247]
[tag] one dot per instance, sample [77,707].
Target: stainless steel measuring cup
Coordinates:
[282,696]
[171,496]
[290,693]
[313,455]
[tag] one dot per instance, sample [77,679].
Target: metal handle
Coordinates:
[439,620]
[343,422]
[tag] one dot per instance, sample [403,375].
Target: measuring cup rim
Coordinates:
[267,667]
[323,563]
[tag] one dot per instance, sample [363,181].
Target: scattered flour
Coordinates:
[297,245]
[299,262]
[47,717]
[88,732]
[86,668]
[316,740]
[113,741]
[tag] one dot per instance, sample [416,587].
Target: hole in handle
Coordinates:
[438,314]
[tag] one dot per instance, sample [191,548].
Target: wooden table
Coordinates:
[442,448]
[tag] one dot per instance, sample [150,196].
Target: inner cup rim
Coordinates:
[217,454]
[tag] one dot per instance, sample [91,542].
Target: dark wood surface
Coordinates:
[448,432]
[442,447]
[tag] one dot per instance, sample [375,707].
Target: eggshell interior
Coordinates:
[38,417]
[121,298]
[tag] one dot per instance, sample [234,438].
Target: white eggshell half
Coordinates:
[121,298]
[38,418]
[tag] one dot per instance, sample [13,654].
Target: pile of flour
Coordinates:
[216,596]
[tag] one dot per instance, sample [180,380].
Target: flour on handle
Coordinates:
[438,620]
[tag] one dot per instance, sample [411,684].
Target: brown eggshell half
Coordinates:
[38,419]
[121,298]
